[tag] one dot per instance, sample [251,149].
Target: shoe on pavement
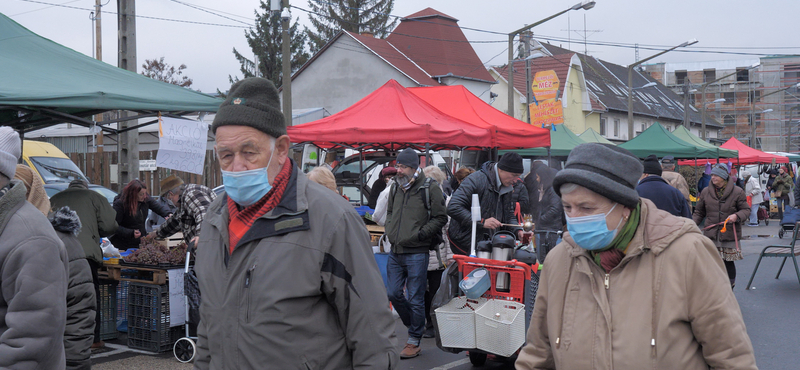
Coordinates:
[409,351]
[99,344]
[752,225]
[429,333]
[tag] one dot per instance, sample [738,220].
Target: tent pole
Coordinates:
[549,158]
[361,176]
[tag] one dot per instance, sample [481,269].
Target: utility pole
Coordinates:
[525,37]
[98,140]
[286,51]
[686,102]
[128,141]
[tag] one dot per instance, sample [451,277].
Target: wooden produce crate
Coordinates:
[137,274]
[375,233]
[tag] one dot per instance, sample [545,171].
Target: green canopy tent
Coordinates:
[684,134]
[43,83]
[591,136]
[562,141]
[657,140]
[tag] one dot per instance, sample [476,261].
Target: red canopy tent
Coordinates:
[508,132]
[747,155]
[391,118]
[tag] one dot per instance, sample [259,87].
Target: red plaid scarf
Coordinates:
[241,221]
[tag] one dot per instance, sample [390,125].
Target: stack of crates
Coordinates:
[108,309]
[148,318]
[122,306]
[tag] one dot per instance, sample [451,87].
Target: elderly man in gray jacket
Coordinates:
[33,275]
[286,270]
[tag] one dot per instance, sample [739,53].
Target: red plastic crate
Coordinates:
[519,273]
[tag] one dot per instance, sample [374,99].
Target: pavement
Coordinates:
[768,309]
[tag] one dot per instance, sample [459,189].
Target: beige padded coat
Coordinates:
[667,305]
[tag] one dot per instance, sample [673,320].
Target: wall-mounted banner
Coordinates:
[547,112]
[545,85]
[182,144]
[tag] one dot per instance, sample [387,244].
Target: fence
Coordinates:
[96,166]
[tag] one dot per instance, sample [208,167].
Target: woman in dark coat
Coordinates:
[81,304]
[550,216]
[721,201]
[132,206]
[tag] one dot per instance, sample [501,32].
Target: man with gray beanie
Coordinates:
[33,271]
[630,282]
[494,184]
[652,186]
[415,216]
[286,270]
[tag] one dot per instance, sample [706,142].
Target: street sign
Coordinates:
[147,165]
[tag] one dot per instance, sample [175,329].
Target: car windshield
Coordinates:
[108,193]
[57,169]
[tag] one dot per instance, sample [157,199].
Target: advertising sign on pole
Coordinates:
[545,85]
[548,112]
[182,144]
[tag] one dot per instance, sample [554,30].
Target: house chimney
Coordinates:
[367,34]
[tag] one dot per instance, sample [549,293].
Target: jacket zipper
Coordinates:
[400,216]
[605,282]
[247,277]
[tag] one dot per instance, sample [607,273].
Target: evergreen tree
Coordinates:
[331,16]
[266,44]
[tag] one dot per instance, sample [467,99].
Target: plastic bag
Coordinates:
[448,289]
[108,249]
[379,216]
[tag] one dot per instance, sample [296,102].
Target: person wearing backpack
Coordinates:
[415,216]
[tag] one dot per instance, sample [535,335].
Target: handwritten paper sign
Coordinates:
[177,301]
[182,145]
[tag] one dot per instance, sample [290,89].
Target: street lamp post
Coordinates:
[703,92]
[630,81]
[752,119]
[586,5]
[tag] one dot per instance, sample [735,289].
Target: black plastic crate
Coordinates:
[108,310]
[148,318]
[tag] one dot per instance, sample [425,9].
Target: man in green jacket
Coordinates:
[286,270]
[415,217]
[98,220]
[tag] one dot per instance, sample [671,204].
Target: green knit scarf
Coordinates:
[610,256]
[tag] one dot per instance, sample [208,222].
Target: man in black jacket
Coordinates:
[415,217]
[652,186]
[494,184]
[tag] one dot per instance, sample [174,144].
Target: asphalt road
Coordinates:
[768,311]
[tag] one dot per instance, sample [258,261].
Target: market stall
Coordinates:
[591,136]
[657,140]
[562,141]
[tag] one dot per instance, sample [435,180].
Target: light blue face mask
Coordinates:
[591,232]
[248,187]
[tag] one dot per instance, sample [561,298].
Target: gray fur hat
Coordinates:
[605,169]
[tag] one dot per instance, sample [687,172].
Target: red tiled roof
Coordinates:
[428,13]
[437,44]
[597,105]
[559,63]
[386,51]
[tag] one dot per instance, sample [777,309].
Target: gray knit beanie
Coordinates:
[409,158]
[10,150]
[605,169]
[720,170]
[252,102]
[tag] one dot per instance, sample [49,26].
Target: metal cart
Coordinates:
[185,348]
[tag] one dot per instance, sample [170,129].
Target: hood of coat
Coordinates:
[65,220]
[656,232]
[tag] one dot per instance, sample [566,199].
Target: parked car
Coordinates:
[54,188]
[50,162]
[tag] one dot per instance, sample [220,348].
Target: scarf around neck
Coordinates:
[612,255]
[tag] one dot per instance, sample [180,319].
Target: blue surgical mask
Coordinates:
[591,232]
[248,187]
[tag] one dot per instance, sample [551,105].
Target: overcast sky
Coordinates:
[720,25]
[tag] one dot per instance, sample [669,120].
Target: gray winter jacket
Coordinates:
[81,301]
[301,290]
[33,286]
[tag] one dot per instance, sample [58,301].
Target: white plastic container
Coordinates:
[456,322]
[500,327]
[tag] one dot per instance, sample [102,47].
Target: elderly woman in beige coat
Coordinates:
[630,286]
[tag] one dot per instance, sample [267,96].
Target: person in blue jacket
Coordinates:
[652,186]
